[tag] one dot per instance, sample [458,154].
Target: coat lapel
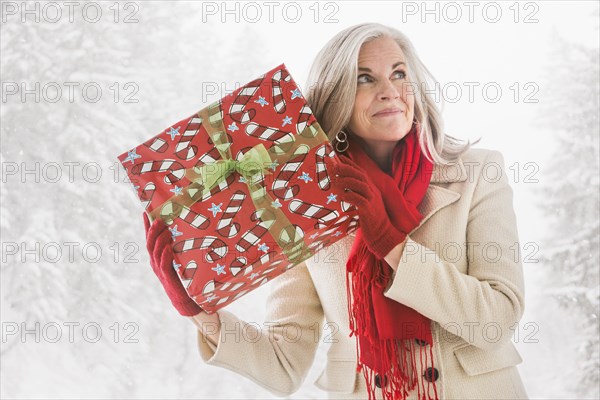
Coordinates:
[438,197]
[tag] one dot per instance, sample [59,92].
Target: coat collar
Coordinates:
[454,172]
[438,197]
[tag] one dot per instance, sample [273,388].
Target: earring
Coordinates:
[341,141]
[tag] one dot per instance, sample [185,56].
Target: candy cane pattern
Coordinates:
[252,236]
[353,225]
[303,118]
[320,244]
[226,227]
[266,259]
[157,144]
[281,185]
[270,134]
[208,291]
[175,169]
[184,149]
[147,194]
[217,248]
[346,207]
[276,80]
[238,265]
[241,264]
[196,220]
[321,214]
[237,110]
[188,273]
[220,187]
[322,176]
[328,240]
[209,157]
[291,238]
[209,287]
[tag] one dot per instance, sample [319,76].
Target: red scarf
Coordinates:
[387,331]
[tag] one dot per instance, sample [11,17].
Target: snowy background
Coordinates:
[82,314]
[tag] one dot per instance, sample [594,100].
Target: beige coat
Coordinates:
[461,268]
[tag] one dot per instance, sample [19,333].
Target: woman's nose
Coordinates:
[388,91]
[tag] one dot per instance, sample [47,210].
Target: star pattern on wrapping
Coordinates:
[273,165]
[286,121]
[177,190]
[261,100]
[263,247]
[215,209]
[211,297]
[176,266]
[232,127]
[331,197]
[276,204]
[305,177]
[296,93]
[338,233]
[131,156]
[175,232]
[314,235]
[219,269]
[173,132]
[253,275]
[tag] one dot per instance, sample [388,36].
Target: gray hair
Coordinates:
[332,89]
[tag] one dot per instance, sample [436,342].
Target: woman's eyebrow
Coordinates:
[393,66]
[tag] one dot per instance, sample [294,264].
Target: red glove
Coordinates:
[159,245]
[379,234]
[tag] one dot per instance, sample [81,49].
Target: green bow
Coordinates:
[251,167]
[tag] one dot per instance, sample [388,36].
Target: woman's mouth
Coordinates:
[388,112]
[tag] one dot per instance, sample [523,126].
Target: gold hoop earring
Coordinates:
[341,141]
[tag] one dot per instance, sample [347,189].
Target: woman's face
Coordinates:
[384,105]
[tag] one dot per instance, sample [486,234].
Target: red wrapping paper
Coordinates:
[225,243]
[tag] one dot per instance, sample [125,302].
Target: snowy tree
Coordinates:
[136,66]
[569,197]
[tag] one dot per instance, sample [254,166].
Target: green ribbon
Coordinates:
[251,167]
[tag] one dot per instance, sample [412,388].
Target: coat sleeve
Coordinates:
[482,305]
[276,354]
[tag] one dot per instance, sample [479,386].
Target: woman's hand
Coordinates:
[356,188]
[159,246]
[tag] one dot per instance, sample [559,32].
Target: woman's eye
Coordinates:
[364,78]
[400,73]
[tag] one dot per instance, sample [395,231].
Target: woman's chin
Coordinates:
[392,135]
[399,128]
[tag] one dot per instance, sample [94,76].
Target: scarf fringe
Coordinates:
[397,374]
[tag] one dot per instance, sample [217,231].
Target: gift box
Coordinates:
[244,187]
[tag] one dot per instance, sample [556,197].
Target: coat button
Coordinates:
[431,374]
[378,380]
[421,342]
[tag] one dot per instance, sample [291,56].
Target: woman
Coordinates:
[423,296]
